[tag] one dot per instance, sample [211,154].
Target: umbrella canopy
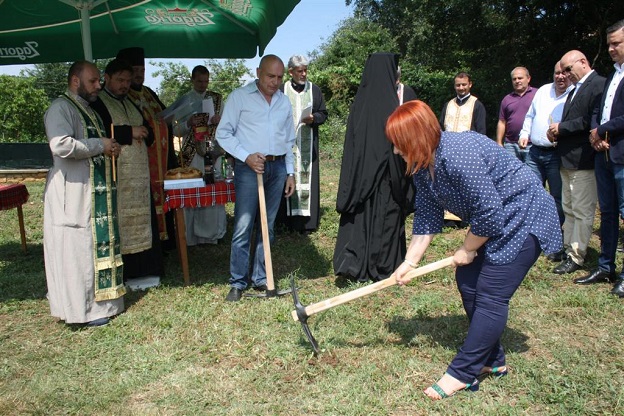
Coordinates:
[43,31]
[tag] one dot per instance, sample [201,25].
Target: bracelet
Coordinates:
[410,263]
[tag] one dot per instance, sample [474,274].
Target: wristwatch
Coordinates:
[290,175]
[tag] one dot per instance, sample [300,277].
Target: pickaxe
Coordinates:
[302,313]
[271,292]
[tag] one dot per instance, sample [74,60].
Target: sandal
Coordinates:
[496,372]
[474,386]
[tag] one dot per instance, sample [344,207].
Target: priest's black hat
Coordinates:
[135,56]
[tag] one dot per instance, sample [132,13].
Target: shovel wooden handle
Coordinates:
[372,288]
[266,243]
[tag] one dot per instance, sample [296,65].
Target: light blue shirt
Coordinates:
[546,108]
[249,124]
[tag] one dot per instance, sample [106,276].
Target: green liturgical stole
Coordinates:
[106,248]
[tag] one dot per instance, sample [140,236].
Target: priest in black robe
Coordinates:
[374,194]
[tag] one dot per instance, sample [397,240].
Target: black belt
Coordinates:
[272,158]
[544,148]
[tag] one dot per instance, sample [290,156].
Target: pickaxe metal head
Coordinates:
[299,314]
[267,293]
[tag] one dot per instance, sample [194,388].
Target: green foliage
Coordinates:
[337,66]
[489,39]
[331,137]
[52,77]
[227,75]
[176,80]
[22,107]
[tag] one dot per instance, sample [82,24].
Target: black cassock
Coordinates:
[374,194]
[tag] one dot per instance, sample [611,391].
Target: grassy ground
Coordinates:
[184,351]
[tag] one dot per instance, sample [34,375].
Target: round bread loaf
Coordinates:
[183,173]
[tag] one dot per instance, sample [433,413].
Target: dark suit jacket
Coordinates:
[615,125]
[573,141]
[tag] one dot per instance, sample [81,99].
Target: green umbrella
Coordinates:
[43,31]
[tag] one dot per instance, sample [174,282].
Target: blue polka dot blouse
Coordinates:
[487,187]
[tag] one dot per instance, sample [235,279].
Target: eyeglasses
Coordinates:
[569,67]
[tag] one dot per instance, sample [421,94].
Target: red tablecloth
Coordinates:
[218,194]
[12,196]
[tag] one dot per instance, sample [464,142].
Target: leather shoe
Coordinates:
[234,295]
[558,256]
[618,289]
[261,288]
[566,266]
[596,276]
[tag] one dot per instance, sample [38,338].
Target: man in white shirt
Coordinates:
[546,108]
[257,129]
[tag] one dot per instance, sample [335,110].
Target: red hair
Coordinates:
[415,131]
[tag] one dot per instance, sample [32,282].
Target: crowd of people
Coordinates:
[104,221]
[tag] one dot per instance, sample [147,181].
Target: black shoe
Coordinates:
[234,295]
[99,322]
[596,276]
[566,266]
[618,289]
[558,256]
[261,288]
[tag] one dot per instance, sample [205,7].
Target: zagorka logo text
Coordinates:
[177,16]
[29,50]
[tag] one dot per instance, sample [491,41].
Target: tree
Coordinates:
[337,66]
[52,77]
[176,80]
[488,39]
[22,108]
[227,75]
[224,78]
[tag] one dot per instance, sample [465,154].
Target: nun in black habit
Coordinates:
[374,193]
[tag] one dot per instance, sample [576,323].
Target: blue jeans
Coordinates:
[545,163]
[515,150]
[610,187]
[246,211]
[485,290]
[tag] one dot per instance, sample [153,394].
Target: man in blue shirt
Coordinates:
[257,129]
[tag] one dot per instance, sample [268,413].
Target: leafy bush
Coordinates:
[22,108]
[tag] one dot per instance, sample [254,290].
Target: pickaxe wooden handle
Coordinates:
[301,313]
[367,290]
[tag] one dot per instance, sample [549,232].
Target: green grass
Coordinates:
[184,351]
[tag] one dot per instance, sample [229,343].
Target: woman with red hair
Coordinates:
[512,219]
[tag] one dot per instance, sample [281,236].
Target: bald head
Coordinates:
[575,65]
[83,80]
[270,74]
